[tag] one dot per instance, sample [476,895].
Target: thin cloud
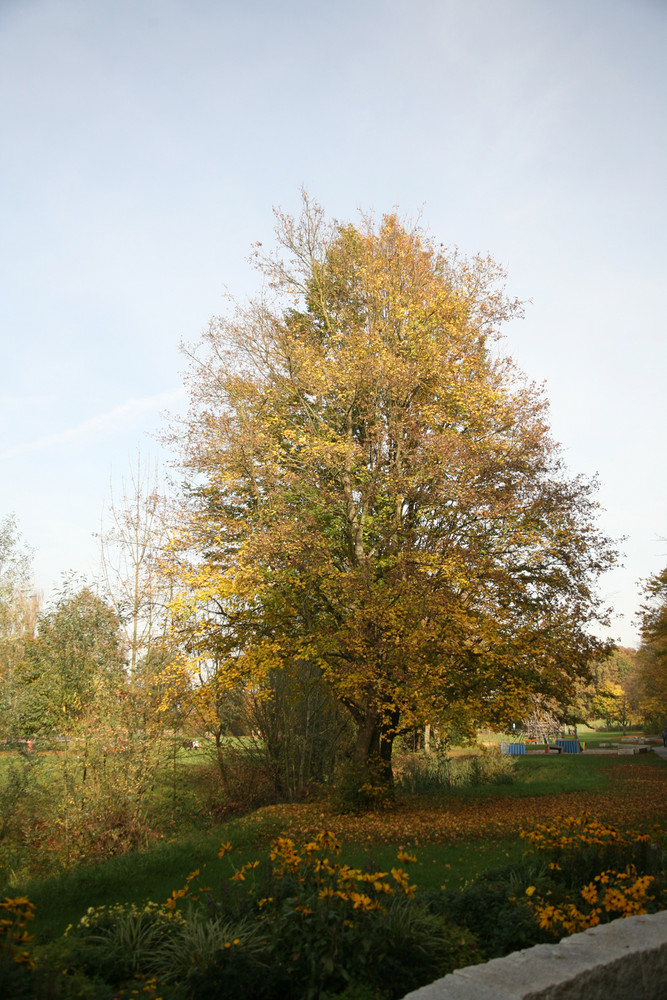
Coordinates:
[124,414]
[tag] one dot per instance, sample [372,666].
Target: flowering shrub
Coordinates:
[579,848]
[15,915]
[608,873]
[298,926]
[609,896]
[326,925]
[578,872]
[16,965]
[568,836]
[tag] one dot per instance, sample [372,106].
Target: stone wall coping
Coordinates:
[623,960]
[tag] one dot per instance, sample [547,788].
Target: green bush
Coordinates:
[434,774]
[115,944]
[490,907]
[513,907]
[299,928]
[380,954]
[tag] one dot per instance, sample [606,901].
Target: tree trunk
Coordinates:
[372,753]
[220,757]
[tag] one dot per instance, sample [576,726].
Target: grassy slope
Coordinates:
[453,837]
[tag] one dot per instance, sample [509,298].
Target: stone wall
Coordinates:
[623,960]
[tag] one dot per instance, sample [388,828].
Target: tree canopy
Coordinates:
[652,656]
[74,664]
[373,488]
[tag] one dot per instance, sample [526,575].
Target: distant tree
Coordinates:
[614,703]
[617,667]
[133,538]
[15,566]
[652,656]
[75,661]
[610,691]
[374,490]
[18,615]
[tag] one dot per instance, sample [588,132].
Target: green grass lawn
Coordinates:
[542,774]
[153,874]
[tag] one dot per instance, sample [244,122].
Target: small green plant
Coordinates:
[487,907]
[117,943]
[434,774]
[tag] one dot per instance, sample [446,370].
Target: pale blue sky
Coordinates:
[144,144]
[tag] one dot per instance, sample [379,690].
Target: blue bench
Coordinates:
[569,746]
[513,748]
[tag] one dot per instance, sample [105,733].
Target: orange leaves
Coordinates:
[636,798]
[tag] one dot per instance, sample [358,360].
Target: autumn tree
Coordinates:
[373,489]
[79,700]
[610,693]
[652,656]
[18,613]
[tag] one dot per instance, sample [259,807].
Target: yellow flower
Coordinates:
[16,902]
[404,857]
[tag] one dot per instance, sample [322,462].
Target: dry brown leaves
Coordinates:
[638,799]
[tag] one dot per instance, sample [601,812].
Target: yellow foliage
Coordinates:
[378,493]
